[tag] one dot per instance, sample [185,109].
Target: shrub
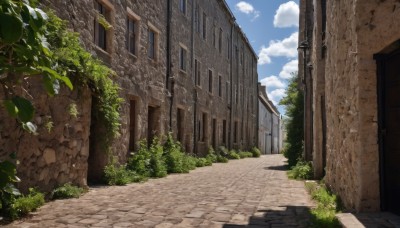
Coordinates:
[174,157]
[302,170]
[223,151]
[233,155]
[67,191]
[140,161]
[157,163]
[244,154]
[116,174]
[201,162]
[255,152]
[25,204]
[222,159]
[189,162]
[211,155]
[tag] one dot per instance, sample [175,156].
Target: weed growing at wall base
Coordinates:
[327,206]
[301,171]
[67,191]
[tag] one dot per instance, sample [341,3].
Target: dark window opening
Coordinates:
[152,47]
[210,81]
[131,36]
[100,36]
[220,86]
[132,126]
[224,132]
[180,124]
[182,6]
[182,59]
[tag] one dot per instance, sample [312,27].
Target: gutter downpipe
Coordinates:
[194,81]
[170,81]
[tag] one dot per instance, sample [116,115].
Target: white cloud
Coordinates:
[276,95]
[286,47]
[272,82]
[247,8]
[287,15]
[288,69]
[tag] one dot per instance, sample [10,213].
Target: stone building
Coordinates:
[184,66]
[269,124]
[351,51]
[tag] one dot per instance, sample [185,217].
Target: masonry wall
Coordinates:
[356,30]
[159,96]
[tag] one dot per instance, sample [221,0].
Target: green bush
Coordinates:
[201,162]
[25,204]
[223,151]
[222,159]
[301,171]
[255,152]
[189,162]
[211,155]
[233,155]
[140,161]
[116,174]
[157,164]
[244,154]
[67,191]
[174,157]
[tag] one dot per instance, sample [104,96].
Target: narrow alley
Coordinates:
[253,192]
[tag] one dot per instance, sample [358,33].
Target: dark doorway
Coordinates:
[132,126]
[153,123]
[214,133]
[180,118]
[97,159]
[389,129]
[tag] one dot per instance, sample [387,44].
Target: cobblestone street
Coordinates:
[243,193]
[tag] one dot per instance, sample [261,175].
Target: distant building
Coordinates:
[269,124]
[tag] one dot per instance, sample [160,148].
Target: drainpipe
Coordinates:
[231,92]
[170,82]
[194,80]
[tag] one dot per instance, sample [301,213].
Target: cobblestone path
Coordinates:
[243,193]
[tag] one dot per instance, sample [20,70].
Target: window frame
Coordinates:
[106,10]
[183,61]
[131,16]
[156,42]
[210,80]
[183,6]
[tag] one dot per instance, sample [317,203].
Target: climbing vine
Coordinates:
[37,44]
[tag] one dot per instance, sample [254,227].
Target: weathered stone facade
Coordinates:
[346,37]
[200,83]
[269,124]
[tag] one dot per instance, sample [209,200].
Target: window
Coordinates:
[100,33]
[228,47]
[235,132]
[204,26]
[182,6]
[204,130]
[220,85]
[132,42]
[210,81]
[197,70]
[227,85]
[197,18]
[214,37]
[236,94]
[224,132]
[182,58]
[220,40]
[152,51]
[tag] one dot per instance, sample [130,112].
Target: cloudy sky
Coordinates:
[272,28]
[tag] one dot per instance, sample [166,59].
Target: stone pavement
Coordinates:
[243,193]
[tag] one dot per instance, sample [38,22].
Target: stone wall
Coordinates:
[59,153]
[356,30]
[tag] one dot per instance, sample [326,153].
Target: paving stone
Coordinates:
[236,194]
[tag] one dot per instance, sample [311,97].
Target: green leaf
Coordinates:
[10,28]
[25,108]
[11,108]
[56,75]
[10,188]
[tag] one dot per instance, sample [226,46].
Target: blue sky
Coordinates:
[272,28]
